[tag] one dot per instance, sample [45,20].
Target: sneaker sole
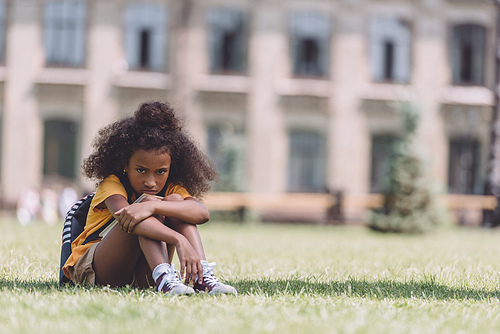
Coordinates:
[220,292]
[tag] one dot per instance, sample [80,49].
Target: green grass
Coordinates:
[291,279]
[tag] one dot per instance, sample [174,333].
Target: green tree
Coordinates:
[409,197]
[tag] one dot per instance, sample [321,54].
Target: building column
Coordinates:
[349,146]
[100,106]
[264,121]
[430,75]
[22,144]
[185,41]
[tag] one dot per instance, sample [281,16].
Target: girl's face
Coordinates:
[148,171]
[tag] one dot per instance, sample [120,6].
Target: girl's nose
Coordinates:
[150,182]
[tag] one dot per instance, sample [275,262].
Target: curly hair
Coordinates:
[154,127]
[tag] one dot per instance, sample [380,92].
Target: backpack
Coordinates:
[74,223]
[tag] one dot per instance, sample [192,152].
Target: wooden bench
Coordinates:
[450,201]
[320,203]
[287,201]
[285,206]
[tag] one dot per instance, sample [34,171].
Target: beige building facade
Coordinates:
[285,95]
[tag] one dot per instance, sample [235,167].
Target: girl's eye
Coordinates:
[141,171]
[161,172]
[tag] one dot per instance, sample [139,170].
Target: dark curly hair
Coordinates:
[154,127]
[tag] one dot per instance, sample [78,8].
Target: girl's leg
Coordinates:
[153,253]
[210,283]
[118,255]
[170,252]
[143,273]
[190,231]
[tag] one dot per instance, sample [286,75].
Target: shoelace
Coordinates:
[208,274]
[172,278]
[211,280]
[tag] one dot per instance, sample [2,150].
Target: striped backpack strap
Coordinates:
[73,218]
[74,223]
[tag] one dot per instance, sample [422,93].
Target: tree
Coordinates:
[409,204]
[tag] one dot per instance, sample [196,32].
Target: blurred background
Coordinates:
[295,101]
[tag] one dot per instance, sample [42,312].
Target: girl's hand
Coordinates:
[190,261]
[130,215]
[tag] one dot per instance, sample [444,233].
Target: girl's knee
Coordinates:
[173,197]
[178,225]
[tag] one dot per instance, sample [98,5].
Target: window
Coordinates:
[226,148]
[381,153]
[306,165]
[463,166]
[310,43]
[468,54]
[3,29]
[215,148]
[145,36]
[227,40]
[60,148]
[64,33]
[390,50]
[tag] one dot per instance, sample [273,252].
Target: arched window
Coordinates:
[227,40]
[306,164]
[468,47]
[64,28]
[310,44]
[59,148]
[390,50]
[146,36]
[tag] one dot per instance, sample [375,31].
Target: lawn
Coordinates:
[290,278]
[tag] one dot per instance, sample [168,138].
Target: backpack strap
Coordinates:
[128,187]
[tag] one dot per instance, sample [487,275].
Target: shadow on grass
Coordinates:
[29,285]
[380,289]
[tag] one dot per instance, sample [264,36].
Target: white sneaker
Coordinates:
[210,283]
[170,284]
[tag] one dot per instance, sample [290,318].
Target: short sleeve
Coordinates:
[108,187]
[177,189]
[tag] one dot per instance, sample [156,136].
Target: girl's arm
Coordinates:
[117,203]
[188,210]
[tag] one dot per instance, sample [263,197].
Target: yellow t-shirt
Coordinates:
[96,218]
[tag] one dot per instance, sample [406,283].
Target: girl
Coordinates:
[146,154]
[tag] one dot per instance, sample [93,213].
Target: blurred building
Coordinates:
[285,95]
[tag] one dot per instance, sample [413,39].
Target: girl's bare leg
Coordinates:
[143,273]
[119,254]
[170,252]
[190,231]
[153,253]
